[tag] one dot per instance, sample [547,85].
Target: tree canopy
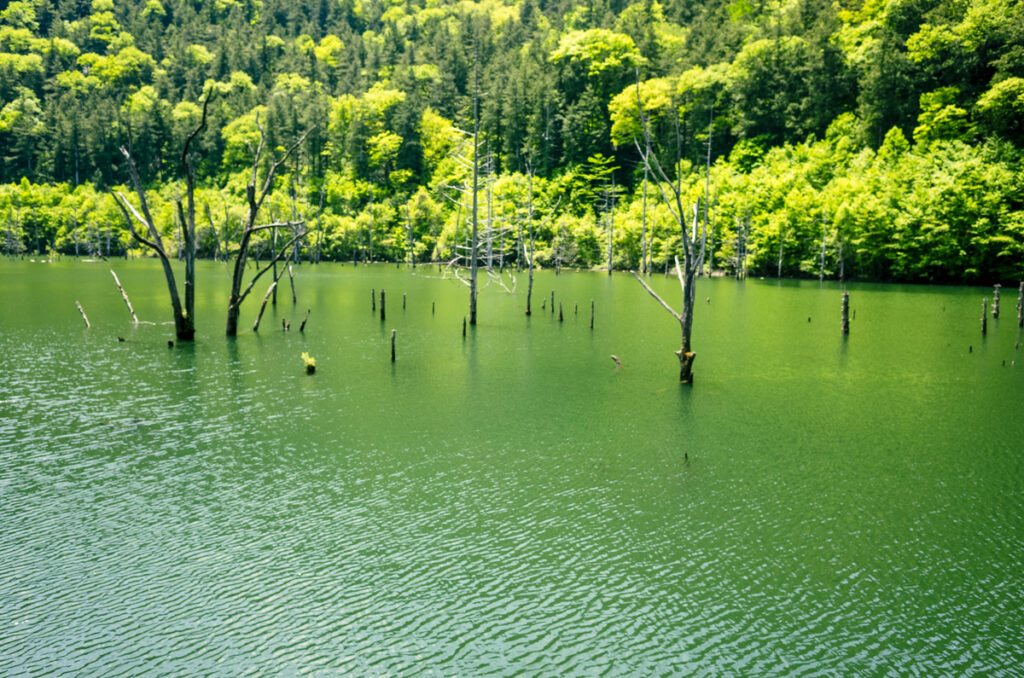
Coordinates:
[899,122]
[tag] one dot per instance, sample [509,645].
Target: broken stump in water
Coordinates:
[393,333]
[984,316]
[995,301]
[846,313]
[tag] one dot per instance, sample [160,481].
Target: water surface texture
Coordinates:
[509,502]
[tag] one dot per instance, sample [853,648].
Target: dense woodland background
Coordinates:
[887,134]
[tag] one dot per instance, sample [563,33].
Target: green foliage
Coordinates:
[896,127]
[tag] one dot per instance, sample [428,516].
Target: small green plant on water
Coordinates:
[310,363]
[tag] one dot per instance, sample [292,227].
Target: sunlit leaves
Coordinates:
[598,50]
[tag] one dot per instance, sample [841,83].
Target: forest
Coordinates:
[854,139]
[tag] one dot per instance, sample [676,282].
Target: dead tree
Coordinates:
[250,228]
[184,317]
[824,236]
[707,198]
[611,222]
[529,217]
[1020,305]
[474,254]
[319,231]
[643,231]
[687,272]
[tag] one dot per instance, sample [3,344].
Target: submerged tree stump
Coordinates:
[373,300]
[846,313]
[995,301]
[984,316]
[382,305]
[686,366]
[393,333]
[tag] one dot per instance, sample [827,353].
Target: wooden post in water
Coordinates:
[984,316]
[995,301]
[373,300]
[432,307]
[124,295]
[87,325]
[291,279]
[559,311]
[463,326]
[1020,305]
[382,305]
[591,314]
[393,333]
[403,295]
[552,302]
[846,312]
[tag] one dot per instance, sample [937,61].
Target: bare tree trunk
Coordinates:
[687,271]
[183,317]
[408,226]
[780,252]
[707,196]
[291,281]
[490,229]
[238,294]
[319,214]
[213,231]
[529,218]
[476,176]
[273,246]
[711,236]
[1020,305]
[643,230]
[824,235]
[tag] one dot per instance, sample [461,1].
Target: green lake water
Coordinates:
[509,502]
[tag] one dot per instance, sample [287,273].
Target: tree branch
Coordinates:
[131,226]
[654,294]
[277,257]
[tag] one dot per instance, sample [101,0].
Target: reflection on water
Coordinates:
[511,502]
